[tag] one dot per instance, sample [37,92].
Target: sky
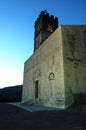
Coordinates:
[17,19]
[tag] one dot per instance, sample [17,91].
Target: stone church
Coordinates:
[55,74]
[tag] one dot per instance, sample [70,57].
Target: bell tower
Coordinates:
[45,25]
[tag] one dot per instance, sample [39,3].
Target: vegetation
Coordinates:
[11,94]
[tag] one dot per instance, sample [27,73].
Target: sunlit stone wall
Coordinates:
[46,67]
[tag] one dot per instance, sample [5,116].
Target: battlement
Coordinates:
[46,15]
[45,25]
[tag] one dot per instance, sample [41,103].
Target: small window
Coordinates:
[50,28]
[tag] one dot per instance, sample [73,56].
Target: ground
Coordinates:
[15,118]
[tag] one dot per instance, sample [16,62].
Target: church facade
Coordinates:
[56,72]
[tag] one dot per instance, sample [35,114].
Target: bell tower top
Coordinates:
[44,26]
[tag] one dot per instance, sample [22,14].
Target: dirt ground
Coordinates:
[14,118]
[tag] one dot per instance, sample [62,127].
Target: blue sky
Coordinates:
[17,19]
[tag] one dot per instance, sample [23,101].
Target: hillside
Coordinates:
[11,94]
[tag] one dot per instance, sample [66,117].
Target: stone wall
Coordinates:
[57,68]
[74,51]
[46,67]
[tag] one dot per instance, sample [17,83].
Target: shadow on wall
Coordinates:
[80,100]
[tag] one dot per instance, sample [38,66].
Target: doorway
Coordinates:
[36,89]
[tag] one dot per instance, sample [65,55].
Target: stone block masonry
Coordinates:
[56,71]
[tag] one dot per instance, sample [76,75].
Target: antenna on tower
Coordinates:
[45,11]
